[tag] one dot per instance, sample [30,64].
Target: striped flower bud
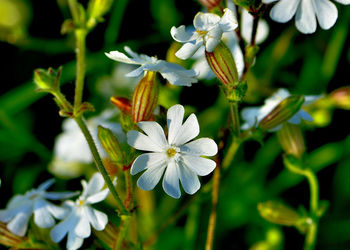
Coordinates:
[145,98]
[210,4]
[291,139]
[122,103]
[223,65]
[278,213]
[341,97]
[111,145]
[283,112]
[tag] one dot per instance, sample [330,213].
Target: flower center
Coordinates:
[80,203]
[201,32]
[171,152]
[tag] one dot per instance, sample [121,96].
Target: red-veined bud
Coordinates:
[278,213]
[341,97]
[145,98]
[122,103]
[210,3]
[223,64]
[283,112]
[291,139]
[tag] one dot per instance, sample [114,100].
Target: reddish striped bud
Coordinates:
[210,3]
[291,139]
[283,112]
[341,97]
[122,103]
[145,98]
[223,65]
[278,213]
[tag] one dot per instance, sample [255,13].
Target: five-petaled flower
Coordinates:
[253,115]
[174,73]
[81,215]
[21,207]
[306,12]
[179,157]
[209,29]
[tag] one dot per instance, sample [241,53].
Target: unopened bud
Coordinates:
[278,213]
[291,139]
[47,80]
[110,144]
[122,103]
[108,235]
[145,98]
[97,9]
[341,97]
[223,64]
[283,112]
[210,4]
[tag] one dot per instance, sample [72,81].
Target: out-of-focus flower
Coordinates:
[179,157]
[306,12]
[81,215]
[208,32]
[71,149]
[21,207]
[253,115]
[174,73]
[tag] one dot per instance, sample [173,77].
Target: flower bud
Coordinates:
[223,65]
[110,144]
[47,80]
[145,97]
[341,97]
[278,213]
[96,10]
[291,139]
[122,103]
[282,112]
[210,4]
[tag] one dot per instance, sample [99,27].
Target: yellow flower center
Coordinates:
[171,152]
[80,203]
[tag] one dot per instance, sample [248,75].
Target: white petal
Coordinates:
[171,180]
[305,19]
[136,73]
[247,26]
[148,160]
[326,13]
[238,57]
[188,131]
[82,229]
[7,214]
[228,21]
[202,146]
[309,99]
[97,219]
[213,38]
[188,49]
[46,185]
[95,184]
[59,195]
[343,1]
[268,1]
[18,225]
[175,116]
[154,131]
[142,142]
[201,66]
[100,196]
[120,57]
[60,230]
[284,10]
[73,241]
[250,116]
[199,165]
[305,115]
[180,34]
[177,75]
[42,216]
[56,211]
[150,178]
[189,180]
[295,119]
[205,21]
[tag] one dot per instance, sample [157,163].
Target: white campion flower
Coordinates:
[174,73]
[253,115]
[209,29]
[306,12]
[231,40]
[21,207]
[179,157]
[81,215]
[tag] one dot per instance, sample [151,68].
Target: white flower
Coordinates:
[21,207]
[81,215]
[230,38]
[254,115]
[174,73]
[177,156]
[209,29]
[306,12]
[71,147]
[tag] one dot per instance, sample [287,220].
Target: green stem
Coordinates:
[99,163]
[235,118]
[80,36]
[128,203]
[124,225]
[231,152]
